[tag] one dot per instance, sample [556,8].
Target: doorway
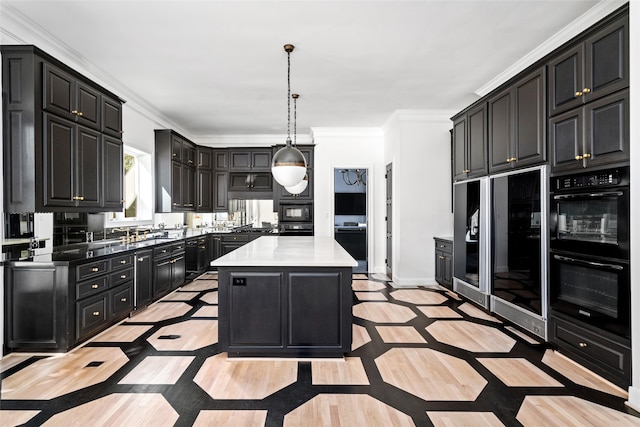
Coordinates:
[388,177]
[350,214]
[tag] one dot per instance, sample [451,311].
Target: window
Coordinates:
[137,189]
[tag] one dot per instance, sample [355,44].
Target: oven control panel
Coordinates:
[609,177]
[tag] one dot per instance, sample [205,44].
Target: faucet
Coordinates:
[123,239]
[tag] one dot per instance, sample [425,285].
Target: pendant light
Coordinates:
[288,166]
[302,185]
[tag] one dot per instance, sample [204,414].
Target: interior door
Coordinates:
[388,176]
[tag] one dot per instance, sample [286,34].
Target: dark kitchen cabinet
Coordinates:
[592,135]
[112,163]
[517,124]
[54,132]
[221,188]
[470,143]
[70,98]
[232,242]
[144,278]
[169,268]
[204,180]
[73,164]
[205,158]
[197,254]
[175,191]
[597,66]
[444,262]
[256,159]
[250,185]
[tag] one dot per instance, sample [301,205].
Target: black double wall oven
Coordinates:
[296,219]
[589,260]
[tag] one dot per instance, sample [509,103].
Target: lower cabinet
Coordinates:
[232,242]
[144,278]
[444,262]
[169,268]
[604,353]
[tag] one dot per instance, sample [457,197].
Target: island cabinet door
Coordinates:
[255,310]
[315,310]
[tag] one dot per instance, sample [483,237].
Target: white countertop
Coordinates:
[288,251]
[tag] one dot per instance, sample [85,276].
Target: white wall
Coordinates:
[351,148]
[417,143]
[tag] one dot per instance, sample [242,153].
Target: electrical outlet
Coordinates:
[33,243]
[239,281]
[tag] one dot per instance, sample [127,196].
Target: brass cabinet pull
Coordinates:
[203,247]
[123,276]
[96,313]
[443,246]
[440,257]
[78,198]
[578,94]
[586,155]
[586,90]
[95,269]
[140,259]
[579,157]
[124,261]
[513,159]
[80,113]
[174,154]
[123,299]
[94,286]
[466,170]
[164,251]
[582,344]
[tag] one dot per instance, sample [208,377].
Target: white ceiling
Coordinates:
[218,67]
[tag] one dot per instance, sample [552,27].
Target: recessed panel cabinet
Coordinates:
[470,143]
[517,124]
[175,161]
[55,125]
[591,69]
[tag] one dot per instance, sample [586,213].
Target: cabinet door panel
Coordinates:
[261,160]
[88,106]
[121,300]
[188,188]
[161,277]
[205,191]
[477,142]
[607,59]
[144,278]
[459,148]
[178,271]
[255,310]
[58,92]
[59,169]
[113,174]
[176,185]
[314,309]
[607,135]
[565,79]
[89,167]
[240,160]
[91,315]
[500,131]
[220,196]
[205,158]
[565,139]
[221,160]
[112,117]
[530,120]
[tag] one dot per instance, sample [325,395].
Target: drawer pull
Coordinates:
[586,90]
[96,313]
[123,276]
[579,157]
[123,299]
[124,261]
[95,286]
[442,246]
[582,344]
[95,269]
[164,251]
[141,259]
[440,256]
[579,93]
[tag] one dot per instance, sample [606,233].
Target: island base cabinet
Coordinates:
[285,311]
[255,310]
[315,315]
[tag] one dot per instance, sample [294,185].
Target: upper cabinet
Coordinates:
[470,143]
[254,160]
[59,135]
[517,124]
[596,67]
[176,177]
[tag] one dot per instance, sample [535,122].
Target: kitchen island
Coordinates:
[287,296]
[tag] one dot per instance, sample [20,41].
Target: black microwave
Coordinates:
[297,213]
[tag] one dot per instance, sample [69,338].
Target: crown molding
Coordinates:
[250,140]
[420,116]
[577,26]
[346,132]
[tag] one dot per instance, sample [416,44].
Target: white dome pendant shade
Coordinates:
[299,187]
[288,166]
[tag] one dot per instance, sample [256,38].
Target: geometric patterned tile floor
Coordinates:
[425,358]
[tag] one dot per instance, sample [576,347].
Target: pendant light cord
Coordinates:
[288,98]
[295,127]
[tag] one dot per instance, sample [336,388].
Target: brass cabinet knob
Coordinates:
[95,269]
[586,155]
[578,94]
[579,157]
[96,313]
[466,170]
[124,261]
[582,344]
[123,276]
[586,90]
[94,286]
[78,198]
[440,257]
[80,114]
[513,159]
[123,299]
[140,259]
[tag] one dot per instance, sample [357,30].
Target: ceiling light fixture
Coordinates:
[360,177]
[289,165]
[302,185]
